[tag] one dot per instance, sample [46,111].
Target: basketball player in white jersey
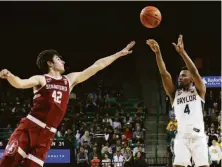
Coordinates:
[187,102]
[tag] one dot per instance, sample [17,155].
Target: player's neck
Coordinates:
[55,74]
[187,88]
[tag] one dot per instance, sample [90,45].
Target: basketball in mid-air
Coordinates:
[150,17]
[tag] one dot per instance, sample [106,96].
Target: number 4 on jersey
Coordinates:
[57,95]
[187,109]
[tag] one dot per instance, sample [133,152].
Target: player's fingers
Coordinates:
[130,52]
[156,46]
[180,39]
[5,72]
[174,45]
[150,42]
[131,44]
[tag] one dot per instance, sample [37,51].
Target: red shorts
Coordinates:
[28,145]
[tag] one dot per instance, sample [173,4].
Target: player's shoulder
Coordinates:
[72,77]
[39,78]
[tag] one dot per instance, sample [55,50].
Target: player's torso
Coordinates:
[50,101]
[188,107]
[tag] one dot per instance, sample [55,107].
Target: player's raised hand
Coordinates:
[179,46]
[153,45]
[127,50]
[4,74]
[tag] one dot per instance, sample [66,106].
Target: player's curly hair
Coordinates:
[44,57]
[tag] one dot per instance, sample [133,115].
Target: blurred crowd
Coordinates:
[103,127]
[212,120]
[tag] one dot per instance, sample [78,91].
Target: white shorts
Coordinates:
[187,147]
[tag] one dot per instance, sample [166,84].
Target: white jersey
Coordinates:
[188,107]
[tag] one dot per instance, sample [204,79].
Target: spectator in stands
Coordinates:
[138,135]
[139,109]
[128,133]
[171,133]
[78,139]
[127,119]
[138,121]
[95,152]
[138,147]
[87,148]
[86,137]
[215,154]
[109,148]
[62,129]
[172,121]
[118,159]
[108,120]
[91,101]
[124,147]
[124,140]
[69,135]
[82,158]
[116,123]
[128,157]
[95,161]
[107,135]
[106,162]
[105,151]
[139,160]
[215,108]
[118,145]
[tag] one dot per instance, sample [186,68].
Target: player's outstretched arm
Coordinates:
[78,77]
[20,83]
[191,67]
[165,75]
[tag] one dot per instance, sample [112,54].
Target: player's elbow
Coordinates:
[164,73]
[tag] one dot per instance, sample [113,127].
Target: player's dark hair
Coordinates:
[184,68]
[44,57]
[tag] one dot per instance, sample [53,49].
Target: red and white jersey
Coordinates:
[50,101]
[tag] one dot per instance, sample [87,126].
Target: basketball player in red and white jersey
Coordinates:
[30,142]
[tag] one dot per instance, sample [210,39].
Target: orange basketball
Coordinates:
[150,17]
